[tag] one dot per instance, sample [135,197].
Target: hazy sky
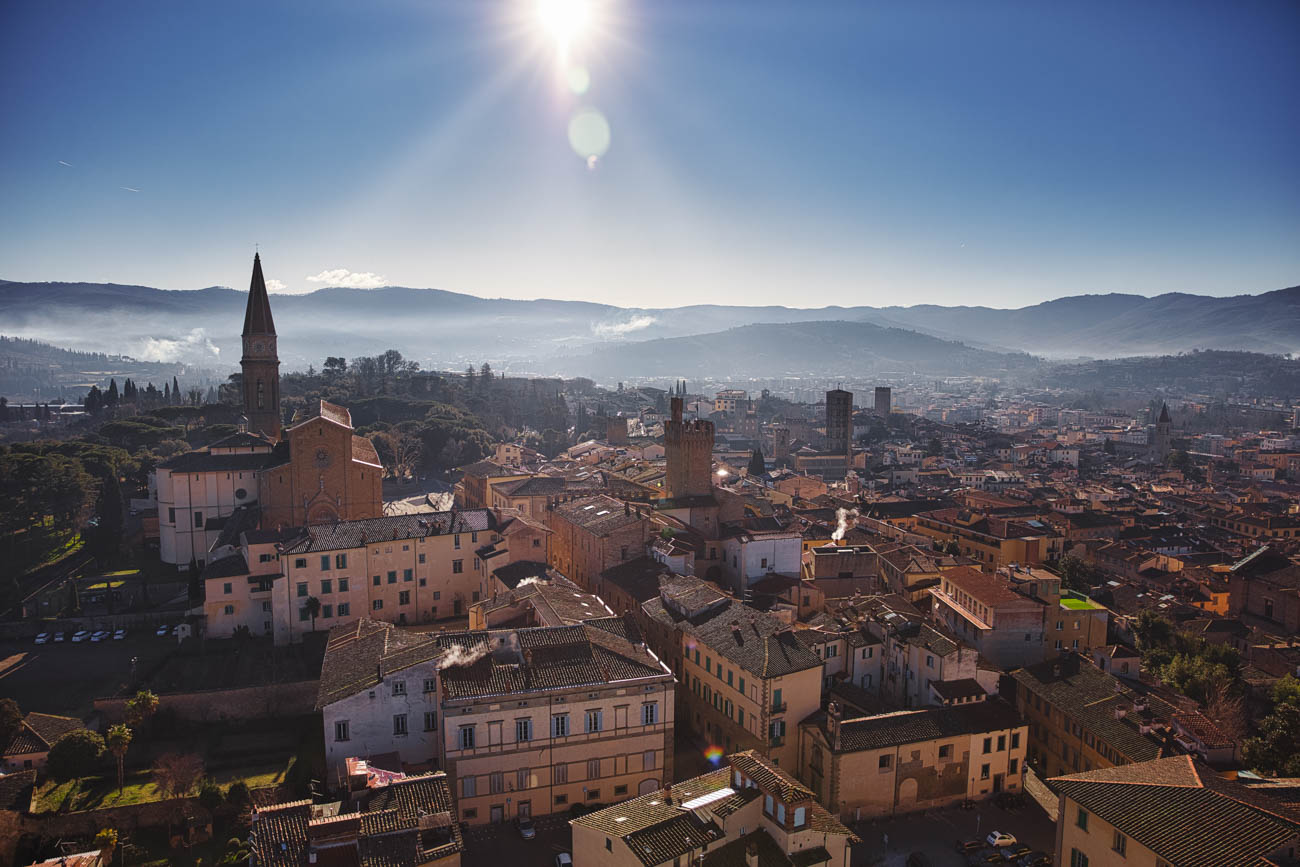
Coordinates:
[799,153]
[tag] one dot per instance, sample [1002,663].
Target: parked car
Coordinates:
[985,857]
[100,635]
[80,635]
[1036,858]
[527,829]
[1016,852]
[119,635]
[163,630]
[998,839]
[564,859]
[969,846]
[42,638]
[58,636]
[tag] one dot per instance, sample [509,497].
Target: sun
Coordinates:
[565,20]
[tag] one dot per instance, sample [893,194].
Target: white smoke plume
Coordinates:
[458,655]
[530,580]
[842,523]
[193,347]
[618,329]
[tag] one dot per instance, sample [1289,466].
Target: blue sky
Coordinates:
[759,152]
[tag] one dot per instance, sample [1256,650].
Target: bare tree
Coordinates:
[176,773]
[1227,710]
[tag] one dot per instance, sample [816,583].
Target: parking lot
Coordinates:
[501,845]
[64,678]
[888,842]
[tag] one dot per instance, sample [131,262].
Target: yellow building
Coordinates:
[554,716]
[873,766]
[747,812]
[993,541]
[1168,812]
[1081,718]
[745,680]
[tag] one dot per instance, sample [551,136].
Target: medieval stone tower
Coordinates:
[260,363]
[839,422]
[688,445]
[1161,443]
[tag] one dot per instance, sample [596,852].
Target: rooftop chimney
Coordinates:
[677,408]
[833,724]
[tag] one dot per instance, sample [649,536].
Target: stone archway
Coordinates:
[322,513]
[907,793]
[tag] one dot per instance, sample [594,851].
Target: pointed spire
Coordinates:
[257,318]
[1164,413]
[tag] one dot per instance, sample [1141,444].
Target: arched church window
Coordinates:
[261,394]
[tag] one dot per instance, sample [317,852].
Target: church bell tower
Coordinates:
[260,363]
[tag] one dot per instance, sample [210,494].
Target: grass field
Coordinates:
[1075,604]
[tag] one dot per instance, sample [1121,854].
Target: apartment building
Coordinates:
[1081,718]
[982,610]
[992,541]
[591,534]
[745,679]
[1170,811]
[405,569]
[524,721]
[885,764]
[748,812]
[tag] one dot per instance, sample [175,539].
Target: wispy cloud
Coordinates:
[65,163]
[627,326]
[350,279]
[195,346]
[131,189]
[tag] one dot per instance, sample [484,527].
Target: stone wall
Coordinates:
[252,702]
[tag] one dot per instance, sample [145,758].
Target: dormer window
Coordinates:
[800,816]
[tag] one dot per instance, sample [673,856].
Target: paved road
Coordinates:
[501,845]
[888,842]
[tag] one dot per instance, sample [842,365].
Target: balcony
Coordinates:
[776,741]
[779,707]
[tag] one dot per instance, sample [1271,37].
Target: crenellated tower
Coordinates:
[260,362]
[688,446]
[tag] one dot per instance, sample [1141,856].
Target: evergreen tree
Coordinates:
[4,410]
[757,466]
[167,394]
[176,391]
[112,397]
[111,521]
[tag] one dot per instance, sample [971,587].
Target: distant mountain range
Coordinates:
[449,329]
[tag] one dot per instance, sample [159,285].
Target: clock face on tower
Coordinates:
[322,458]
[257,347]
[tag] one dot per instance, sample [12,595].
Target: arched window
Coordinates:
[261,394]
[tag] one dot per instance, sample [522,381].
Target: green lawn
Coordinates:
[1075,604]
[91,793]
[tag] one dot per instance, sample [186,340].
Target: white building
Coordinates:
[198,490]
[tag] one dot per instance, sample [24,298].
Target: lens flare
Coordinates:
[589,134]
[714,754]
[578,79]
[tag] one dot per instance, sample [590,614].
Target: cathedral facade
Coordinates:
[318,471]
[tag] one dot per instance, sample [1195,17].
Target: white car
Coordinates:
[119,635]
[564,859]
[58,636]
[162,630]
[998,839]
[80,635]
[99,635]
[42,638]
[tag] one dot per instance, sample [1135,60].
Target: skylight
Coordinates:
[703,800]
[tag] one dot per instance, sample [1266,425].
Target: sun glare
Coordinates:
[565,20]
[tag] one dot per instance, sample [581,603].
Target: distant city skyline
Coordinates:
[656,154]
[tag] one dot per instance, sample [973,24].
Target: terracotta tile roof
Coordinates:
[375,531]
[924,724]
[988,589]
[600,515]
[1184,812]
[40,731]
[754,640]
